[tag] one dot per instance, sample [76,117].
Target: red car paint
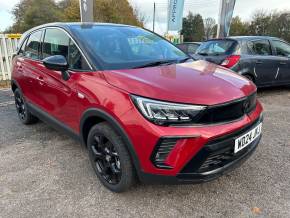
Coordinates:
[194,83]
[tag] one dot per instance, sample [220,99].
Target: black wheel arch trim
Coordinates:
[15,83]
[95,112]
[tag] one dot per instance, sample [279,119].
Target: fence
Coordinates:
[8,45]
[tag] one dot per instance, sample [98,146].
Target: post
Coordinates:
[154,14]
[87,10]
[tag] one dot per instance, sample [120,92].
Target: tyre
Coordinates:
[22,110]
[110,159]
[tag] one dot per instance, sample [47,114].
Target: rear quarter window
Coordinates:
[216,47]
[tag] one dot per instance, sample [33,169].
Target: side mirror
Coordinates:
[58,63]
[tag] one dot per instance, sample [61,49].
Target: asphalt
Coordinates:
[44,173]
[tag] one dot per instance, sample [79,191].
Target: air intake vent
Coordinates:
[161,152]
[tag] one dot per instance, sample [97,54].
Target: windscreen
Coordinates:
[123,47]
[215,47]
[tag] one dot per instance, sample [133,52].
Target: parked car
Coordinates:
[140,105]
[189,47]
[264,60]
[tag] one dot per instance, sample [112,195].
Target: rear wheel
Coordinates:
[22,110]
[110,158]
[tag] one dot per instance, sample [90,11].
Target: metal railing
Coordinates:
[8,45]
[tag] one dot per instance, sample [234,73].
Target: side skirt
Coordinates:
[56,124]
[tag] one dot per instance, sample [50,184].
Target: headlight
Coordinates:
[166,113]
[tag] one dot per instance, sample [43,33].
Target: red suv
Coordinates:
[143,108]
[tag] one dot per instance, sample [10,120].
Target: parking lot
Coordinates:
[43,173]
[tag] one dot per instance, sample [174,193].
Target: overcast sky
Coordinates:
[207,8]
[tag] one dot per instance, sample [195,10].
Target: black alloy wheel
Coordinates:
[106,159]
[20,106]
[110,158]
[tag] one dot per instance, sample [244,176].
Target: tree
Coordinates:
[238,27]
[209,24]
[115,11]
[30,13]
[193,28]
[260,24]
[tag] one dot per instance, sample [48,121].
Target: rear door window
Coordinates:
[282,48]
[32,47]
[216,47]
[260,47]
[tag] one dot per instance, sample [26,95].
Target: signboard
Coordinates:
[225,17]
[175,13]
[13,36]
[87,10]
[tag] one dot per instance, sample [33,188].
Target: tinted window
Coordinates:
[122,47]
[33,45]
[192,48]
[22,49]
[75,59]
[216,47]
[282,48]
[57,42]
[183,47]
[260,47]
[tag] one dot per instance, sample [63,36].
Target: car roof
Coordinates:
[67,25]
[252,37]
[198,43]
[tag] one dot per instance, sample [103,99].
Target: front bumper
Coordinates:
[213,160]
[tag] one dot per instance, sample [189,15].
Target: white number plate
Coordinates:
[248,138]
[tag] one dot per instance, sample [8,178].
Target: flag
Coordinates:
[175,13]
[225,17]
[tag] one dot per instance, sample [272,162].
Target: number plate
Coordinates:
[248,138]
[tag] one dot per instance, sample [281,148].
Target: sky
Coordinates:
[207,8]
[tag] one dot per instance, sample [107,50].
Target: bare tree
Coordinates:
[209,24]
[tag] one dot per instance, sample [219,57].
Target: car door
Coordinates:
[27,64]
[263,61]
[282,51]
[56,96]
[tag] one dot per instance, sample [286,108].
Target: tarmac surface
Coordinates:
[44,173]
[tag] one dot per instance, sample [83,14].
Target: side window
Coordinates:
[57,42]
[76,60]
[22,49]
[282,48]
[192,48]
[33,45]
[260,47]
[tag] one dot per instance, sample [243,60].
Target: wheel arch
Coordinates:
[15,85]
[93,116]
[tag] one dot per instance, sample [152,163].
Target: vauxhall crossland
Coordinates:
[144,109]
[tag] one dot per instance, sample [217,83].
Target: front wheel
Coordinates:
[110,158]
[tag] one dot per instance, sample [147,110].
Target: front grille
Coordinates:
[229,111]
[161,152]
[219,153]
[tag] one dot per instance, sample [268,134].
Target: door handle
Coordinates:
[259,62]
[40,80]
[20,68]
[283,63]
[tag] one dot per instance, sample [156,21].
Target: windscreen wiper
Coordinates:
[186,59]
[157,63]
[203,53]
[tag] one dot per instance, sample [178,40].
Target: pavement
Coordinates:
[44,173]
